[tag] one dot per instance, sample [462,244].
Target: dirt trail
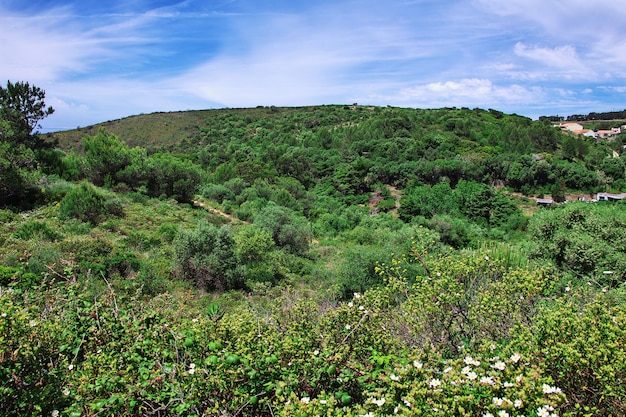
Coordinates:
[219,212]
[377,197]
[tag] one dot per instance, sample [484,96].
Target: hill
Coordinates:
[313,261]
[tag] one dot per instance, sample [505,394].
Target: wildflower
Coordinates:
[547,389]
[499,366]
[486,258]
[567,289]
[503,413]
[361,308]
[316,352]
[487,380]
[515,357]
[305,400]
[357,295]
[55,413]
[466,370]
[498,401]
[32,323]
[448,369]
[323,402]
[417,364]
[471,376]
[66,391]
[471,361]
[394,377]
[4,314]
[508,384]
[380,402]
[407,403]
[487,415]
[518,403]
[194,320]
[350,304]
[348,327]
[542,412]
[70,367]
[434,383]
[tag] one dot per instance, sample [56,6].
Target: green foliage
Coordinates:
[289,231]
[105,156]
[22,107]
[86,203]
[164,175]
[38,230]
[206,256]
[587,240]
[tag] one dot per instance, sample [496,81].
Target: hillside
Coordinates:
[327,260]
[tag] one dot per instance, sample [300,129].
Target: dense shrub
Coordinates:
[86,203]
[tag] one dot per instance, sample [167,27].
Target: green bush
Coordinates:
[86,203]
[39,230]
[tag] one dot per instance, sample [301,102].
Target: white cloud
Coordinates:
[465,92]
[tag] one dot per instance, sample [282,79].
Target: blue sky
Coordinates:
[102,60]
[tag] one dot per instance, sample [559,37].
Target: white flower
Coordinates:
[508,384]
[471,376]
[417,364]
[394,377]
[498,401]
[305,400]
[323,402]
[357,295]
[192,365]
[503,413]
[70,367]
[191,371]
[32,323]
[471,361]
[316,352]
[487,415]
[567,289]
[466,370]
[448,369]
[515,357]
[55,413]
[499,366]
[348,327]
[4,314]
[486,258]
[434,383]
[380,402]
[194,320]
[518,403]
[547,389]
[488,380]
[66,391]
[407,403]
[361,308]
[542,412]
[350,304]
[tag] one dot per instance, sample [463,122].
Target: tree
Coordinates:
[22,106]
[21,109]
[106,155]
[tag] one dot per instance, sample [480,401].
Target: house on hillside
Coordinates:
[610,197]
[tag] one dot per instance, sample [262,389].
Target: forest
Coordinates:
[336,260]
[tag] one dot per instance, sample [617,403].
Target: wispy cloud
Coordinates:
[100,61]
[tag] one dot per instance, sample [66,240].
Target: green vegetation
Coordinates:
[331,260]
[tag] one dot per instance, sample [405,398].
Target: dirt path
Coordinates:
[377,197]
[219,212]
